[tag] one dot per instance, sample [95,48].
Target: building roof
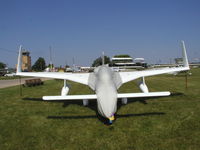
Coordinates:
[139,59]
[122,58]
[124,63]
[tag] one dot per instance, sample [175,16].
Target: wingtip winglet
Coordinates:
[19,59]
[185,59]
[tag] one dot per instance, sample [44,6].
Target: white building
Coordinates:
[120,63]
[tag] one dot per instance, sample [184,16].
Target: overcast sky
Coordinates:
[83,29]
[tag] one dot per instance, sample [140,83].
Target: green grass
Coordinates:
[10,78]
[159,124]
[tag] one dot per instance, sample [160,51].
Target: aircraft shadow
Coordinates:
[105,120]
[72,117]
[141,114]
[117,116]
[32,99]
[177,94]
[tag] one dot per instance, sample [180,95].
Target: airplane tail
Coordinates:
[185,59]
[19,62]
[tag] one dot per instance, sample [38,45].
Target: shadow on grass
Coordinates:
[32,99]
[141,114]
[105,120]
[72,117]
[93,106]
[117,116]
[177,94]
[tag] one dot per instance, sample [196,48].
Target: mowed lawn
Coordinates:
[167,123]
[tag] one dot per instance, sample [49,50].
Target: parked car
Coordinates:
[10,74]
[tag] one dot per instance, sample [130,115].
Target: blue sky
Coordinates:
[83,29]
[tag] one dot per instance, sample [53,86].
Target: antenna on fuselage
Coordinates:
[103,58]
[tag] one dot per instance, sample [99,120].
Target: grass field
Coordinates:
[10,78]
[167,123]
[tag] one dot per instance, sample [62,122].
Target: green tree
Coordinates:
[39,65]
[51,66]
[2,65]
[97,62]
[123,55]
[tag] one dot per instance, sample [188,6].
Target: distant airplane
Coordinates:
[105,83]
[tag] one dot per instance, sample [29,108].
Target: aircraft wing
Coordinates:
[149,94]
[70,97]
[94,96]
[76,77]
[129,76]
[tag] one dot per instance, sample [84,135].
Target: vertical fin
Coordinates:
[185,59]
[19,63]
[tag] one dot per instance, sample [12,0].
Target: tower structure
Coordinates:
[26,61]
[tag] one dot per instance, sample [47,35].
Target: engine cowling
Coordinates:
[143,87]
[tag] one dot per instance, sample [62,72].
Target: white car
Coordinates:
[10,74]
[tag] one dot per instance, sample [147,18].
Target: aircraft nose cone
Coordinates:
[107,104]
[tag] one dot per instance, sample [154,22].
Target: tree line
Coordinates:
[40,63]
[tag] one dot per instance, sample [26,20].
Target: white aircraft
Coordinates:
[105,83]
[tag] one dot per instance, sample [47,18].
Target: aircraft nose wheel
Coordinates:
[111,119]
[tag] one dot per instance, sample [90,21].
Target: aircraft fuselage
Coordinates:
[106,91]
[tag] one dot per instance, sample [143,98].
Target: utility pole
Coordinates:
[73,64]
[51,64]
[170,61]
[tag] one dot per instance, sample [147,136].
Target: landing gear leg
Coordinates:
[124,101]
[85,102]
[65,89]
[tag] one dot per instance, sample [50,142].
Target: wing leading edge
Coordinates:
[79,77]
[94,96]
[70,97]
[150,94]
